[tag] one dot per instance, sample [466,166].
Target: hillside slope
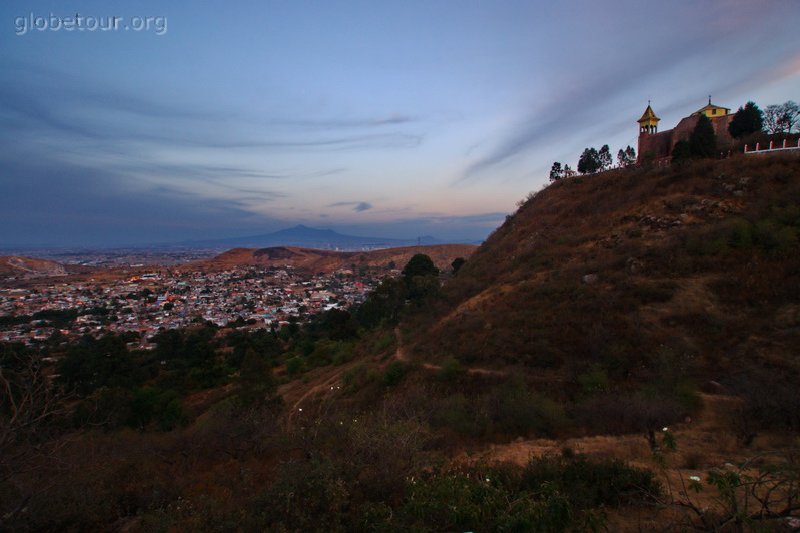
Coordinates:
[29,267]
[329,261]
[636,273]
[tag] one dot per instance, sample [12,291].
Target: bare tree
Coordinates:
[28,406]
[772,123]
[790,115]
[781,118]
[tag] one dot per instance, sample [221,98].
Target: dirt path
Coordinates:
[326,382]
[401,355]
[704,440]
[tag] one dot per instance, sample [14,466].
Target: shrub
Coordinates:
[655,292]
[451,370]
[294,365]
[394,374]
[514,410]
[774,237]
[628,413]
[463,501]
[384,342]
[354,378]
[594,380]
[305,496]
[461,415]
[589,483]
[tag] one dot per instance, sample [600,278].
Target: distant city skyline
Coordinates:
[394,119]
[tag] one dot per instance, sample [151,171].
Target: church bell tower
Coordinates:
[648,124]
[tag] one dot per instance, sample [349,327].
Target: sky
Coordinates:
[159,122]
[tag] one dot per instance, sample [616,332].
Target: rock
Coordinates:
[589,279]
[633,265]
[713,387]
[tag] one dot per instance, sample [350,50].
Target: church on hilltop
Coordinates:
[656,146]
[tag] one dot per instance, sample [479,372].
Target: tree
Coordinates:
[422,288]
[383,303]
[790,115]
[256,384]
[556,172]
[703,141]
[626,158]
[748,119]
[604,158]
[681,151]
[781,118]
[421,278]
[589,162]
[457,263]
[772,122]
[568,172]
[419,265]
[30,410]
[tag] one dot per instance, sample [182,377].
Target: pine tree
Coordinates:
[703,141]
[589,161]
[748,119]
[604,157]
[681,151]
[627,157]
[556,172]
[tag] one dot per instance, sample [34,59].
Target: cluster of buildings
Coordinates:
[248,297]
[657,146]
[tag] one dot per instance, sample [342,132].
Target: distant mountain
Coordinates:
[316,260]
[306,237]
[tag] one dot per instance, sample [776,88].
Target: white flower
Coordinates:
[694,478]
[665,429]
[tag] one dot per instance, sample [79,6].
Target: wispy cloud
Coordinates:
[357,206]
[570,104]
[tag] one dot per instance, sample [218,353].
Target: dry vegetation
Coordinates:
[529,393]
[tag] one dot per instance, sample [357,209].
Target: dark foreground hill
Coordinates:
[634,273]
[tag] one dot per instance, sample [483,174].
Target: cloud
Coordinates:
[91,206]
[391,120]
[39,115]
[570,105]
[357,206]
[88,109]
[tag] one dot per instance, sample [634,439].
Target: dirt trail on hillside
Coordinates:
[401,355]
[706,437]
[326,383]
